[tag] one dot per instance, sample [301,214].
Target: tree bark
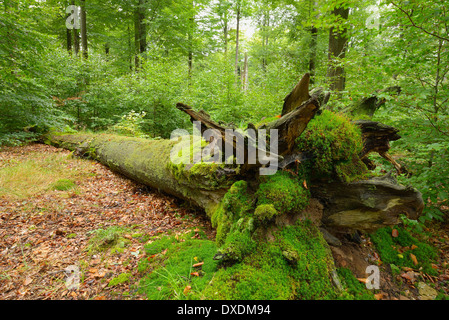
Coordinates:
[237,42]
[142,26]
[84,29]
[136,39]
[337,51]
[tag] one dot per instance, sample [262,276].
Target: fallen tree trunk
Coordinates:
[147,162]
[262,217]
[364,205]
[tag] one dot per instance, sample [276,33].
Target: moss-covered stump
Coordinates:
[296,264]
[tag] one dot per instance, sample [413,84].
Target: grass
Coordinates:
[24,178]
[168,268]
[109,238]
[398,250]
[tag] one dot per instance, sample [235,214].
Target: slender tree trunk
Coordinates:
[69,40]
[313,43]
[237,43]
[265,38]
[245,73]
[190,41]
[130,50]
[76,36]
[337,51]
[136,40]
[437,76]
[142,26]
[76,41]
[312,57]
[83,28]
[140,33]
[68,34]
[225,34]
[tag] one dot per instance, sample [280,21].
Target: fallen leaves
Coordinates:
[395,233]
[43,234]
[187,290]
[414,259]
[198,264]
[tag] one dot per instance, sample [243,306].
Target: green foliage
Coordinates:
[353,286]
[397,250]
[169,272]
[334,145]
[130,124]
[426,157]
[63,185]
[109,238]
[121,278]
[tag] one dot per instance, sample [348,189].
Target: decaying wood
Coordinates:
[367,205]
[298,96]
[362,205]
[300,108]
[367,106]
[377,137]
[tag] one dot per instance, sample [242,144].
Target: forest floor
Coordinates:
[59,213]
[45,231]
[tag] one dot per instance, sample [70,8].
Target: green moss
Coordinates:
[63,185]
[353,286]
[159,245]
[238,245]
[265,212]
[235,205]
[294,266]
[237,200]
[171,270]
[265,121]
[109,238]
[283,191]
[334,144]
[121,278]
[222,222]
[397,250]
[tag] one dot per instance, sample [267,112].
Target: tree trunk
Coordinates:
[337,51]
[313,44]
[360,205]
[83,29]
[313,48]
[69,40]
[245,73]
[142,27]
[136,39]
[76,41]
[237,43]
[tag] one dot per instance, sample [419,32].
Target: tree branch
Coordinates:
[416,26]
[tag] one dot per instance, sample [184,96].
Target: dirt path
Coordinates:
[47,232]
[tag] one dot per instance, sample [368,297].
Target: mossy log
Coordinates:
[269,226]
[365,204]
[148,162]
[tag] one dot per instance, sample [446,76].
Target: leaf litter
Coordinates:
[46,234]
